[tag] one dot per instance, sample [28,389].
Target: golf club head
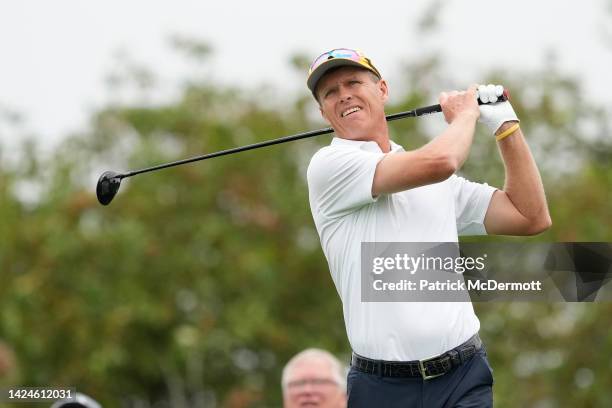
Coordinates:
[108,185]
[79,401]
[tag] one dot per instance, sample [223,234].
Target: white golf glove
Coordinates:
[493,115]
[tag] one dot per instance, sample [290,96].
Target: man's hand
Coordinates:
[494,115]
[455,104]
[438,159]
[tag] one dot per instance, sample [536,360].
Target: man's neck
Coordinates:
[383,141]
[384,144]
[381,138]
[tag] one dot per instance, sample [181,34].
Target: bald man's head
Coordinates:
[314,378]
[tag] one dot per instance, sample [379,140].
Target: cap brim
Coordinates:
[322,69]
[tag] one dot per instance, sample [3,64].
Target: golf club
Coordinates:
[110,181]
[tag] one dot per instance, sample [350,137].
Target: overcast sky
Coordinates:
[55,55]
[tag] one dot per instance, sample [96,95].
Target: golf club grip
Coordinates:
[426,110]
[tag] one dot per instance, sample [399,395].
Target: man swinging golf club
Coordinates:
[363,187]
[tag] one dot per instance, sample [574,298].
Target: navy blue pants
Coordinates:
[468,385]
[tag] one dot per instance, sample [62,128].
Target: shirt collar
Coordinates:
[369,146]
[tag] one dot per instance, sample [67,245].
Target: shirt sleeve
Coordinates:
[471,204]
[340,180]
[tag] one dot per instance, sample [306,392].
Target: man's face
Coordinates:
[352,102]
[311,384]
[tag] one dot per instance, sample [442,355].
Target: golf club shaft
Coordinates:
[426,110]
[285,139]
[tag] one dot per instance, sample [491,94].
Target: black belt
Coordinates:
[427,369]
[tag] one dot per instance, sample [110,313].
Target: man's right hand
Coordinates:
[438,159]
[460,103]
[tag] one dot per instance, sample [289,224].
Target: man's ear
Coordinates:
[384,89]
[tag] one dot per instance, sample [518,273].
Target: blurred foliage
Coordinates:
[198,282]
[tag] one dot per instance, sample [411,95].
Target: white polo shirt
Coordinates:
[340,180]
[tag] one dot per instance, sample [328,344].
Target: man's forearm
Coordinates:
[456,140]
[438,159]
[523,183]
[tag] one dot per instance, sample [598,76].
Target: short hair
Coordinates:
[375,78]
[338,369]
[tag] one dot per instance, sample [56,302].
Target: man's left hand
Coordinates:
[494,114]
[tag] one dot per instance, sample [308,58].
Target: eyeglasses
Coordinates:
[344,53]
[315,382]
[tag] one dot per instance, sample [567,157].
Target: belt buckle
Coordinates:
[423,371]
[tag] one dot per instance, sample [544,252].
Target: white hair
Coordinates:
[339,370]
